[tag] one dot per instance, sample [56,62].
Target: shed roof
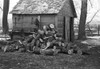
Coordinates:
[42,7]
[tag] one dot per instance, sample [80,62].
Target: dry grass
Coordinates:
[32,61]
[17,60]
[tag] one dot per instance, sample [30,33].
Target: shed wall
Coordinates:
[23,22]
[47,19]
[64,20]
[27,22]
[63,25]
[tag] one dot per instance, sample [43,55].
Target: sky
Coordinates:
[91,10]
[12,4]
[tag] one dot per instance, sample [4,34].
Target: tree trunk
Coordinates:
[81,32]
[5,16]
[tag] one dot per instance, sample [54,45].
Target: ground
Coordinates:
[17,60]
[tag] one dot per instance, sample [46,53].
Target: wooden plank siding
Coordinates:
[26,22]
[64,21]
[60,25]
[67,28]
[63,26]
[23,22]
[47,19]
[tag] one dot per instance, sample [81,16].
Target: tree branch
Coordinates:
[1,8]
[93,17]
[91,3]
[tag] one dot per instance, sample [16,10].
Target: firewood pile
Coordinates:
[46,42]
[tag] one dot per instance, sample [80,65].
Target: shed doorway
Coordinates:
[68,29]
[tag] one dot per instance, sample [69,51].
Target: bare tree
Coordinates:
[91,21]
[93,17]
[81,32]
[5,15]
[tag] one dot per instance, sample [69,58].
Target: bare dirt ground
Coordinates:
[17,60]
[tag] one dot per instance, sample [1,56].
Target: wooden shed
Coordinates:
[61,13]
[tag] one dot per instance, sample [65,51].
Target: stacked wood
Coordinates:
[45,42]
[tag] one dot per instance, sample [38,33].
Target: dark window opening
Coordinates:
[32,22]
[71,24]
[15,20]
[64,20]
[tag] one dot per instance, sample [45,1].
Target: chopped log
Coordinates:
[45,42]
[49,52]
[36,50]
[22,50]
[9,48]
[70,51]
